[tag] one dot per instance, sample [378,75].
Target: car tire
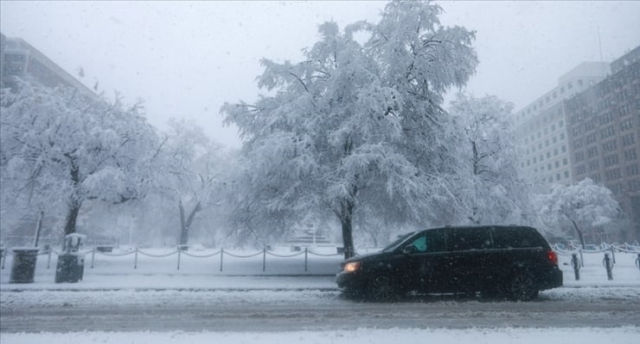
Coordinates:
[522,287]
[382,288]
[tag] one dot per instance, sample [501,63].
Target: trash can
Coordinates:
[70,267]
[24,265]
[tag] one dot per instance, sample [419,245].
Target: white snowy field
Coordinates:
[622,335]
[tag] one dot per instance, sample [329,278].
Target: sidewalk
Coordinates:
[114,272]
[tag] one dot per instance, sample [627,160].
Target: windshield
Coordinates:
[401,238]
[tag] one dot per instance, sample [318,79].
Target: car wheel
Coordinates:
[523,287]
[382,288]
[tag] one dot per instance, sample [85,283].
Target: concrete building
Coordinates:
[603,126]
[542,131]
[19,59]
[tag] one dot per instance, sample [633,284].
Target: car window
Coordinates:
[462,239]
[517,237]
[429,241]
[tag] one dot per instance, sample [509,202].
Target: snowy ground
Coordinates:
[623,335]
[114,279]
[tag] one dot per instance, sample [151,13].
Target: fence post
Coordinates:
[576,266]
[306,251]
[581,258]
[264,260]
[2,254]
[221,257]
[49,259]
[608,264]
[179,249]
[638,261]
[93,256]
[135,262]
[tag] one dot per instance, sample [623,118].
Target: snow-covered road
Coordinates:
[306,309]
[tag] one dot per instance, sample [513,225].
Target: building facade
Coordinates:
[19,59]
[541,128]
[603,126]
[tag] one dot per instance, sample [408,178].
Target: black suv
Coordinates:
[498,261]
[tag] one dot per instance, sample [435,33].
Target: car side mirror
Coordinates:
[409,249]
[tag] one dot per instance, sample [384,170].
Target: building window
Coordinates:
[610,146]
[591,138]
[612,174]
[562,136]
[610,160]
[564,149]
[632,170]
[616,188]
[607,132]
[626,124]
[594,165]
[548,155]
[630,155]
[577,144]
[628,140]
[592,151]
[581,169]
[565,162]
[634,185]
[566,174]
[579,156]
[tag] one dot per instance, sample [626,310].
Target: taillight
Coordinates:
[553,257]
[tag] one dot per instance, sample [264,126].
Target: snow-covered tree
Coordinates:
[193,167]
[493,190]
[582,206]
[356,126]
[66,149]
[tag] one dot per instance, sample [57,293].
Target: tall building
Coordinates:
[19,59]
[541,128]
[603,126]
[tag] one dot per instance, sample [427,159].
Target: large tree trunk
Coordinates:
[185,222]
[72,218]
[575,225]
[74,203]
[346,220]
[38,229]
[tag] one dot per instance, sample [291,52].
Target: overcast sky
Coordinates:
[185,59]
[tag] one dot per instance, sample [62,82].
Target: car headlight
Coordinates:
[352,267]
